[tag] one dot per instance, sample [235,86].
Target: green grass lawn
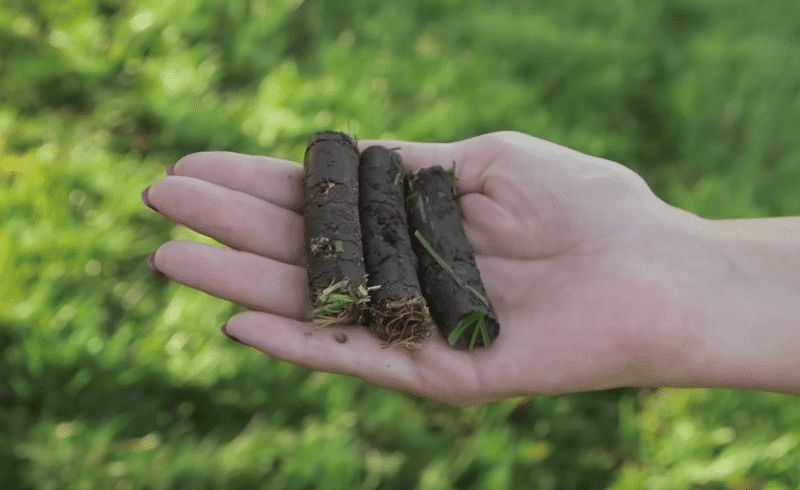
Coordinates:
[113,378]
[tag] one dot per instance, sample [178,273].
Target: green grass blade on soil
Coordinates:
[428,248]
[337,302]
[476,318]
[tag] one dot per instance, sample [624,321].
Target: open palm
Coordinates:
[564,242]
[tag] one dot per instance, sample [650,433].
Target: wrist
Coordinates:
[742,329]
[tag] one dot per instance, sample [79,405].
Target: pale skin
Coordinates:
[596,281]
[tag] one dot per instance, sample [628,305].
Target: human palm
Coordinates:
[561,240]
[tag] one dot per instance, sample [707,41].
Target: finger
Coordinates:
[484,221]
[231,217]
[471,157]
[338,349]
[271,179]
[435,371]
[511,284]
[240,277]
[416,155]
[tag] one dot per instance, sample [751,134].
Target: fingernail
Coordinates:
[171,169]
[151,263]
[146,199]
[224,330]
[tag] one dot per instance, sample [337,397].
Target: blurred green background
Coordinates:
[111,378]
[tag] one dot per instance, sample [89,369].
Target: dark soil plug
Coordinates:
[449,276]
[398,311]
[337,278]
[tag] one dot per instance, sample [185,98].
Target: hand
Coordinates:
[577,254]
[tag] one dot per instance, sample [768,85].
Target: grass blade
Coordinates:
[475,318]
[444,265]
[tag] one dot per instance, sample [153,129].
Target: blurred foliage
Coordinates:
[113,378]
